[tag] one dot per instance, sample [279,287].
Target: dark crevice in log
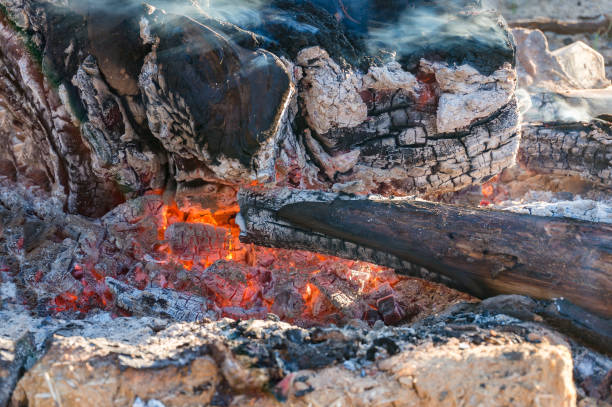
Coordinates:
[49,132]
[585,328]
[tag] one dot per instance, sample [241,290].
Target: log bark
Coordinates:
[487,252]
[599,24]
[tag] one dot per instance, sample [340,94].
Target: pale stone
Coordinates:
[583,64]
[184,364]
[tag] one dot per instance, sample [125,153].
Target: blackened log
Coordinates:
[487,252]
[582,149]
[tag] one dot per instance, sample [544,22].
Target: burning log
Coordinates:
[582,149]
[487,252]
[189,240]
[130,102]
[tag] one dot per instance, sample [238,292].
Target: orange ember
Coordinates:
[220,236]
[487,190]
[195,250]
[493,191]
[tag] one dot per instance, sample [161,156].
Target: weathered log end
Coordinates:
[569,149]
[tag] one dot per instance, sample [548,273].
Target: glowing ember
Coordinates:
[94,293]
[197,251]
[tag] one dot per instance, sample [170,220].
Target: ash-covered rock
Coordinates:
[462,354]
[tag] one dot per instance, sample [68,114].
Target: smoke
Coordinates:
[554,107]
[456,31]
[461,31]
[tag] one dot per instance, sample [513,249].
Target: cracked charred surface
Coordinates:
[393,132]
[108,100]
[580,149]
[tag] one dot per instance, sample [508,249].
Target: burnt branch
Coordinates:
[488,252]
[599,24]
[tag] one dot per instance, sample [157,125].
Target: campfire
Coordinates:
[198,252]
[320,202]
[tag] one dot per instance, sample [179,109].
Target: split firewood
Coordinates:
[487,252]
[599,24]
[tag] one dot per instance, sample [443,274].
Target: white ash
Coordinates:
[331,96]
[389,76]
[149,403]
[331,165]
[544,203]
[466,95]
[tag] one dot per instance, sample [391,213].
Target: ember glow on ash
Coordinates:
[93,295]
[492,191]
[197,251]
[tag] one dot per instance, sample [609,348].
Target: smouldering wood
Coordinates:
[487,252]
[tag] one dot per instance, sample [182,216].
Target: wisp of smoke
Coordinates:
[455,30]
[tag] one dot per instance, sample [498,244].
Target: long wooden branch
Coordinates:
[600,24]
[487,252]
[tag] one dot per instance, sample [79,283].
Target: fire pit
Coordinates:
[190,210]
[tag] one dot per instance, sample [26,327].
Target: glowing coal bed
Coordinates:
[152,245]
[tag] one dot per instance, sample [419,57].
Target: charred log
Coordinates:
[582,149]
[111,99]
[488,252]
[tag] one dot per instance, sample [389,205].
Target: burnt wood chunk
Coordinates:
[230,95]
[390,310]
[582,149]
[487,252]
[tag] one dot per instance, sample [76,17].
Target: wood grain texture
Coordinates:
[582,149]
